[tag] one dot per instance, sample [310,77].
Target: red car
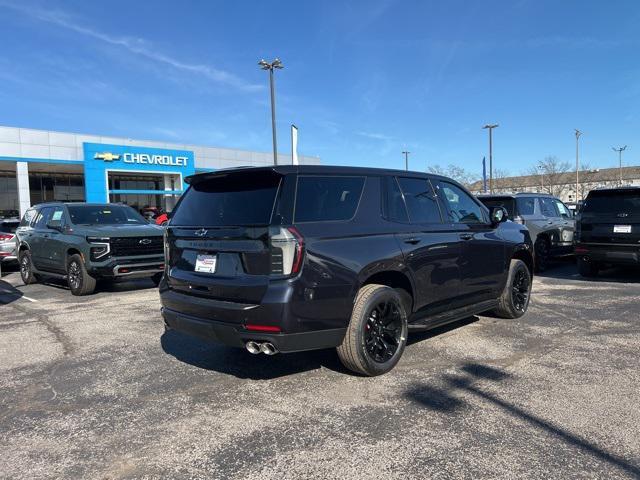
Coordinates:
[162,219]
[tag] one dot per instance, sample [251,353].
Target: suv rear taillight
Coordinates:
[287,250]
[6,236]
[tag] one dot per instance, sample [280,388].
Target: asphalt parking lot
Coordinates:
[92,387]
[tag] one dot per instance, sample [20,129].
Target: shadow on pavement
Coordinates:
[9,267]
[569,271]
[415,337]
[240,363]
[104,285]
[444,400]
[8,293]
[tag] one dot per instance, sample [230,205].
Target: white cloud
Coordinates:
[376,136]
[135,45]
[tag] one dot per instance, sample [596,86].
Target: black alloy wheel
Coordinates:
[383,331]
[74,275]
[542,250]
[520,289]
[26,268]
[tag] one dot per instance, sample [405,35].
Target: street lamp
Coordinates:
[491,127]
[264,65]
[620,150]
[578,133]
[406,160]
[541,168]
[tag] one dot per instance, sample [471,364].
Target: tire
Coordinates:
[157,278]
[514,300]
[80,282]
[26,268]
[363,349]
[587,269]
[542,252]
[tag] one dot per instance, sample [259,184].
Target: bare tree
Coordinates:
[553,173]
[454,171]
[501,182]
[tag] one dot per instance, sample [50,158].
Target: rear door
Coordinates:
[218,238]
[482,266]
[431,248]
[611,217]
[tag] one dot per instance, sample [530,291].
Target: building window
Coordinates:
[9,206]
[56,187]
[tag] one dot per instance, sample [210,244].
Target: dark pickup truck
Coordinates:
[82,242]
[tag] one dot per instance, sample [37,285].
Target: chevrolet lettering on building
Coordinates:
[143,159]
[146,159]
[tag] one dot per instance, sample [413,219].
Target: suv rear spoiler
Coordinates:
[201,177]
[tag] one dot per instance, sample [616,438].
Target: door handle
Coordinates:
[46,235]
[412,241]
[466,236]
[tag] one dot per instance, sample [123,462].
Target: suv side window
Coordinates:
[324,199]
[57,217]
[462,207]
[422,204]
[43,218]
[29,215]
[547,207]
[393,206]
[564,211]
[526,205]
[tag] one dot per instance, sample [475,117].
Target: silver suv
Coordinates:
[550,222]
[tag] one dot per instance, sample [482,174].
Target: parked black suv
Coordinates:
[608,230]
[291,258]
[82,242]
[550,222]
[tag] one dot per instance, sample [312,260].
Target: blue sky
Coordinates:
[363,80]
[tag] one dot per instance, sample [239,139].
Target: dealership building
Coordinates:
[42,166]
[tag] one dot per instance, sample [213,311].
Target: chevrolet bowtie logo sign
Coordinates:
[107,156]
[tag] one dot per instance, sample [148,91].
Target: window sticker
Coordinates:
[57,215]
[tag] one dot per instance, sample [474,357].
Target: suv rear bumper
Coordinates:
[235,335]
[609,253]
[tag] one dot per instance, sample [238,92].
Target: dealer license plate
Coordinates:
[622,229]
[206,263]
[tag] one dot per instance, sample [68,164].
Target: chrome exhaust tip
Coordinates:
[268,348]
[253,347]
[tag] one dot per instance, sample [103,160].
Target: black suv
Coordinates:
[608,230]
[294,258]
[82,242]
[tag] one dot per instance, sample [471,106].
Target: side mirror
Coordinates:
[55,225]
[498,215]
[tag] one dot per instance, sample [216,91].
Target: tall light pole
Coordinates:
[578,133]
[541,168]
[620,150]
[491,127]
[264,65]
[406,160]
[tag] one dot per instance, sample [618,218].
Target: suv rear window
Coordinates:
[506,202]
[228,200]
[613,202]
[322,199]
